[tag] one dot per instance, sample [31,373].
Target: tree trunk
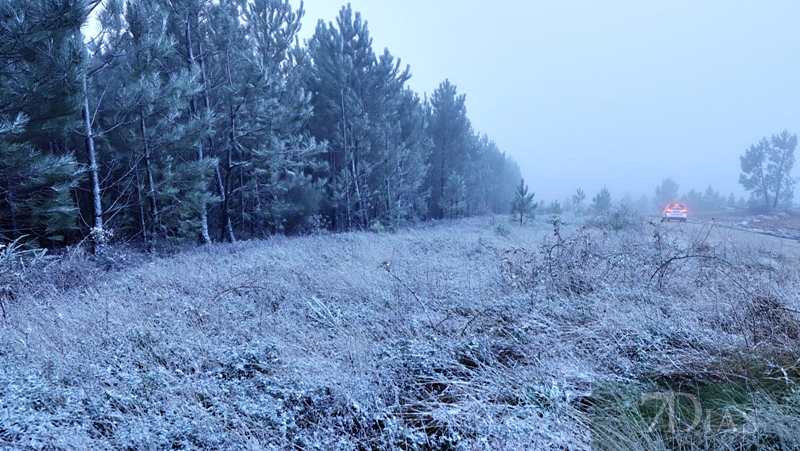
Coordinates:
[193,107]
[361,211]
[12,210]
[347,197]
[243,203]
[344,162]
[142,219]
[226,204]
[441,192]
[225,222]
[98,234]
[151,189]
[778,179]
[763,182]
[226,226]
[226,185]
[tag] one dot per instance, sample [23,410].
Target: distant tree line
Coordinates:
[199,120]
[667,192]
[766,174]
[708,200]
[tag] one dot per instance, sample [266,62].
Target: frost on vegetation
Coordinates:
[578,263]
[146,395]
[502,230]
[484,342]
[658,263]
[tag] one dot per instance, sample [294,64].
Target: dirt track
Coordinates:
[762,239]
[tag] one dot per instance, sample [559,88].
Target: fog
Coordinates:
[620,93]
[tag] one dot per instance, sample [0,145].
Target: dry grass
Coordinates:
[472,335]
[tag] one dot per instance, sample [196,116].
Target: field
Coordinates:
[569,333]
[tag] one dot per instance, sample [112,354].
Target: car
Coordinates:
[674,211]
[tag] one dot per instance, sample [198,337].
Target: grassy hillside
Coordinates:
[472,335]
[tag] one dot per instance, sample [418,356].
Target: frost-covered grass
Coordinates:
[470,335]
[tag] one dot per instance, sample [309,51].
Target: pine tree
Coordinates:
[285,189]
[451,134]
[601,202]
[97,60]
[781,161]
[199,118]
[577,200]
[523,204]
[767,168]
[187,29]
[490,176]
[358,98]
[42,53]
[454,202]
[407,168]
[666,192]
[151,88]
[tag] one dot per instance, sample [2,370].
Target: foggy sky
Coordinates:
[586,93]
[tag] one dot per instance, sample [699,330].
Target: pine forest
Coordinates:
[178,122]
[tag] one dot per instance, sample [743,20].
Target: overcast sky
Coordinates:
[586,93]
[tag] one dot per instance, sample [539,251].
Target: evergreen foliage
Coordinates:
[372,124]
[454,195]
[153,134]
[578,199]
[666,192]
[601,202]
[41,51]
[491,178]
[523,204]
[706,201]
[555,208]
[450,131]
[766,170]
[188,121]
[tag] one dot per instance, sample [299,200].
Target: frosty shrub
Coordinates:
[446,336]
[502,230]
[578,262]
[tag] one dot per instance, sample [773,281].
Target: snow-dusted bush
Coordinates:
[444,337]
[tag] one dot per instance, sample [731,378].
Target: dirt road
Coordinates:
[725,232]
